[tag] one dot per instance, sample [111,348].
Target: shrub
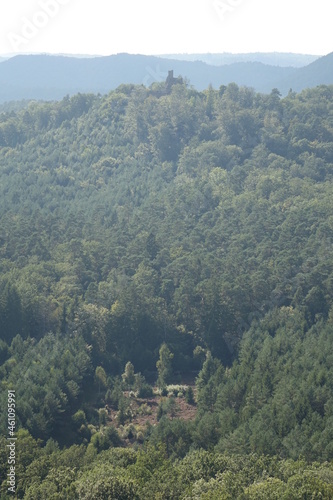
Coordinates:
[145,391]
[189,396]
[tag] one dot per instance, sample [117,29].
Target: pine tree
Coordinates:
[129,376]
[164,366]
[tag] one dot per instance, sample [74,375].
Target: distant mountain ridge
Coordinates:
[319,72]
[271,58]
[52,77]
[282,59]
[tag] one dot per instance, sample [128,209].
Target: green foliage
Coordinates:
[145,391]
[189,396]
[79,418]
[149,473]
[122,414]
[171,218]
[161,226]
[48,377]
[207,382]
[105,438]
[108,487]
[167,406]
[164,366]
[277,397]
[129,376]
[100,377]
[114,394]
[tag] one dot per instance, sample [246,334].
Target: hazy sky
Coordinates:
[171,26]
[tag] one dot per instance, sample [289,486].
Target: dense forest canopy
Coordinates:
[163,216]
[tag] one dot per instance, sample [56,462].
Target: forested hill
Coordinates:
[52,77]
[319,72]
[164,215]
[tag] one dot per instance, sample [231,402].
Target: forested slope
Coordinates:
[203,220]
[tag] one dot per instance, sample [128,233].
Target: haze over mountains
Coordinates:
[271,58]
[52,77]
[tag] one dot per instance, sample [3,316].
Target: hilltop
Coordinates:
[52,77]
